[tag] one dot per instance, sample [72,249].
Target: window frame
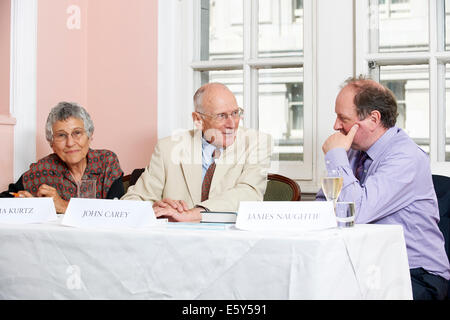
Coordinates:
[332,28]
[436,57]
[250,64]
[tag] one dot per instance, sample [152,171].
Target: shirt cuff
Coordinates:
[336,158]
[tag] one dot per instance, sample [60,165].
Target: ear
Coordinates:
[198,121]
[374,119]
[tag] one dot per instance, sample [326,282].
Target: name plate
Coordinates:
[27,210]
[102,213]
[285,215]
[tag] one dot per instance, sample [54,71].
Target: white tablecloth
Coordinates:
[174,261]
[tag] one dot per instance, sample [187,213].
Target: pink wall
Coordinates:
[109,66]
[122,78]
[6,121]
[5,27]
[7,155]
[61,62]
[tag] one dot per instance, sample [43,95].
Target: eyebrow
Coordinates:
[62,130]
[340,115]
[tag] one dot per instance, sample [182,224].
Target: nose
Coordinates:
[230,122]
[70,141]
[337,125]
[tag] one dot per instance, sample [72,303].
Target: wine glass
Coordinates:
[87,188]
[332,185]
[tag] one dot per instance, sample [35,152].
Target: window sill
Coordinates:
[7,120]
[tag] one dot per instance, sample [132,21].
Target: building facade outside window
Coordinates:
[285,60]
[257,48]
[404,45]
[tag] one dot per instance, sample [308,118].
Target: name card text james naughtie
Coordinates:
[27,210]
[285,215]
[102,213]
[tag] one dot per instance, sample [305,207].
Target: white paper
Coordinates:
[285,215]
[27,210]
[102,213]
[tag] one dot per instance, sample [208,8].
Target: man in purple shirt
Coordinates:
[388,177]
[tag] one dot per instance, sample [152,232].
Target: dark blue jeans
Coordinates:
[427,286]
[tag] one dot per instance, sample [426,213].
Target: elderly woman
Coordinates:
[61,174]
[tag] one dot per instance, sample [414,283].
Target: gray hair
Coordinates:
[65,110]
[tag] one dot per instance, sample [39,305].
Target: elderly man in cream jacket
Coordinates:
[210,168]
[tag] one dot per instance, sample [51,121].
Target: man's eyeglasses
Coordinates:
[224,116]
[76,134]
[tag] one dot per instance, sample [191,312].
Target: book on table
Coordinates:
[218,217]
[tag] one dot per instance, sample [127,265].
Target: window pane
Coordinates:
[410,85]
[447,112]
[233,79]
[221,29]
[280,28]
[402,25]
[280,99]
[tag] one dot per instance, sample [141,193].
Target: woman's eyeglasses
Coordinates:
[76,134]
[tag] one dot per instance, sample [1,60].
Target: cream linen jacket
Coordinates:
[175,171]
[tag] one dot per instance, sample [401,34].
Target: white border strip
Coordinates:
[23,82]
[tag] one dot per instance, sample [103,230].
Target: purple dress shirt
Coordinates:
[396,188]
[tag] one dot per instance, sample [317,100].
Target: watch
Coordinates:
[204,208]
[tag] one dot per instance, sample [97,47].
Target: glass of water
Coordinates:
[345,214]
[87,189]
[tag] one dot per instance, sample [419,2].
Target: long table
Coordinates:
[197,261]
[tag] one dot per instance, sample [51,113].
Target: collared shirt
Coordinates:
[397,188]
[102,166]
[207,155]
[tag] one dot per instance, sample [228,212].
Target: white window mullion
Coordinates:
[24,16]
[361,38]
[253,54]
[250,106]
[196,47]
[399,58]
[434,105]
[334,63]
[374,26]
[440,112]
[437,81]
[217,65]
[439,6]
[434,82]
[178,29]
[276,62]
[309,87]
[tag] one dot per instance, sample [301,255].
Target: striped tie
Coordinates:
[208,176]
[363,156]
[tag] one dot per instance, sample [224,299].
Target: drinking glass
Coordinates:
[87,189]
[345,214]
[332,185]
